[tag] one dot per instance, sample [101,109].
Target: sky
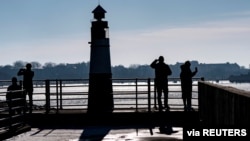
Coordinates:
[58,31]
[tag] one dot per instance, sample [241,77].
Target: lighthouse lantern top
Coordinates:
[99,12]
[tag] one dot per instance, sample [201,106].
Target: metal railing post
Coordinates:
[10,111]
[136,94]
[57,100]
[61,106]
[47,94]
[149,96]
[155,97]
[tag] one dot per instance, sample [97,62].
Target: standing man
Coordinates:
[186,84]
[28,75]
[162,70]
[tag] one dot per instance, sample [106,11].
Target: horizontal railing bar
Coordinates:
[67,105]
[71,99]
[69,93]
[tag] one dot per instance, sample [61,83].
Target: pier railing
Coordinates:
[12,111]
[223,106]
[128,94]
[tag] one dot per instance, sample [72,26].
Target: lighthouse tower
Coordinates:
[100,75]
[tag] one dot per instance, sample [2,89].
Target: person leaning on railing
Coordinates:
[15,97]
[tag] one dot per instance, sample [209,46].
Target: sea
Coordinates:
[241,86]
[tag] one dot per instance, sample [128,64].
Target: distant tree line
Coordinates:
[81,70]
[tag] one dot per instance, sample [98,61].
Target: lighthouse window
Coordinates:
[106,33]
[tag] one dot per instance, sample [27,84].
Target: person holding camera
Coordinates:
[162,71]
[28,75]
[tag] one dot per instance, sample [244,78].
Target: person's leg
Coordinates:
[183,95]
[184,103]
[30,101]
[25,93]
[165,90]
[23,103]
[159,94]
[189,103]
[189,99]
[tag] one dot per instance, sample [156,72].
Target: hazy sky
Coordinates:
[58,31]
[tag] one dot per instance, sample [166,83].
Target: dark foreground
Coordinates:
[103,126]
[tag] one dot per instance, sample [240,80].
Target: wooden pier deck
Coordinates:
[79,118]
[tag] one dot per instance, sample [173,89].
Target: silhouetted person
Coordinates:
[162,70]
[14,92]
[28,75]
[186,84]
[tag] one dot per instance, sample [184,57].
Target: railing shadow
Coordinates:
[94,134]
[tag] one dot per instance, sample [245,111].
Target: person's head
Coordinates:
[187,63]
[14,80]
[28,66]
[182,66]
[161,59]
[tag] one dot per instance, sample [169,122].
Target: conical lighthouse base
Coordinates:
[100,93]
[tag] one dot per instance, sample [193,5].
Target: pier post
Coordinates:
[149,96]
[47,93]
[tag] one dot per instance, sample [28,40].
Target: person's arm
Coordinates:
[32,74]
[195,71]
[20,72]
[153,64]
